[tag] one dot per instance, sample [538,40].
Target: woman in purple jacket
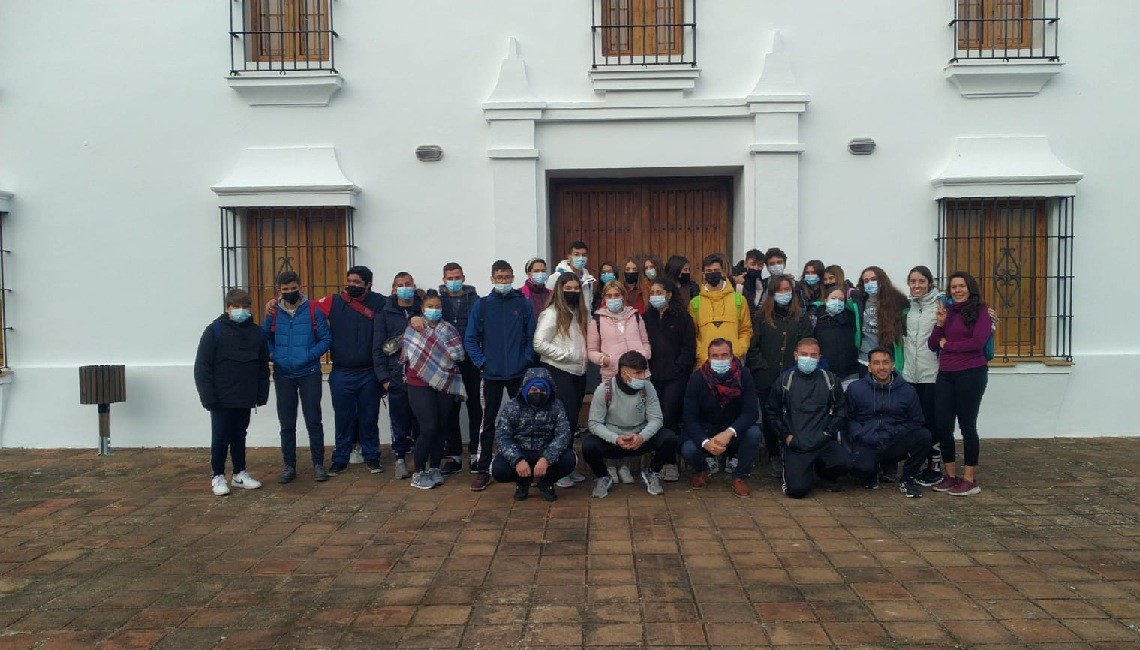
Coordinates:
[961,330]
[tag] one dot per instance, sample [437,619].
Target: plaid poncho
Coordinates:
[433,354]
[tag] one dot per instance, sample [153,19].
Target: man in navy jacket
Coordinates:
[500,341]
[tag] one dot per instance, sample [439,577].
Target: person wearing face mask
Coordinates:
[387,344]
[533,437]
[808,412]
[576,258]
[458,300]
[810,287]
[881,322]
[920,369]
[719,312]
[534,288]
[297,334]
[679,270]
[626,421]
[673,339]
[748,277]
[720,418]
[777,327]
[231,373]
[776,263]
[838,337]
[430,360]
[500,341]
[617,329]
[635,290]
[353,385]
[607,273]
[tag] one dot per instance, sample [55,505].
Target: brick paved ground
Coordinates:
[135,552]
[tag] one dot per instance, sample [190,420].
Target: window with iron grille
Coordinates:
[644,32]
[260,243]
[1020,250]
[1005,29]
[281,36]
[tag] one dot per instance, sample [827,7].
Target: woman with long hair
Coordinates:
[607,273]
[881,322]
[833,276]
[673,339]
[777,327]
[810,285]
[920,367]
[961,330]
[635,289]
[680,271]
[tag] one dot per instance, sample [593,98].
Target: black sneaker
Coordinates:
[871,483]
[287,475]
[450,466]
[337,468]
[374,466]
[546,490]
[521,492]
[908,487]
[928,477]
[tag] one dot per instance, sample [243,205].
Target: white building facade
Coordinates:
[153,154]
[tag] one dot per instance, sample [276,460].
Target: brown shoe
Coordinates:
[480,482]
[740,488]
[699,480]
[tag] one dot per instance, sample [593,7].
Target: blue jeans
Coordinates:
[356,401]
[404,427]
[307,390]
[745,447]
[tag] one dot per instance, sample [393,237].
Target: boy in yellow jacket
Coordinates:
[719,311]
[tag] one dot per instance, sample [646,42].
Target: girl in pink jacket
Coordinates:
[617,328]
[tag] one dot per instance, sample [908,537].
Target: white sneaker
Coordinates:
[713,464]
[218,484]
[243,480]
[602,487]
[731,464]
[355,457]
[670,473]
[624,474]
[613,473]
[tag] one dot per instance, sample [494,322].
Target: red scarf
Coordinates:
[725,388]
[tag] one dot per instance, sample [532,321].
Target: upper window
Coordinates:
[644,32]
[1020,252]
[282,36]
[1005,29]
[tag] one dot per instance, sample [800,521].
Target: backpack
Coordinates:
[609,384]
[696,305]
[598,322]
[273,311]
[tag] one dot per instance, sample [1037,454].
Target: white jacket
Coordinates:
[920,363]
[565,352]
[589,283]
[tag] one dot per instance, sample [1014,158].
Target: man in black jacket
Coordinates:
[459,299]
[231,372]
[808,411]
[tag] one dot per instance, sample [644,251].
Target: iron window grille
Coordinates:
[644,32]
[257,244]
[5,292]
[282,36]
[1005,30]
[1020,250]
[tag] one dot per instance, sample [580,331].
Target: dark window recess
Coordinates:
[644,32]
[1021,252]
[282,36]
[1005,30]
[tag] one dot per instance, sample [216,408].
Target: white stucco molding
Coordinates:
[5,201]
[512,88]
[642,78]
[979,79]
[286,177]
[293,89]
[988,166]
[777,83]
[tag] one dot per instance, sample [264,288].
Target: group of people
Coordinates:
[833,378]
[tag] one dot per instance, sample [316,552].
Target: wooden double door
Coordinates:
[639,217]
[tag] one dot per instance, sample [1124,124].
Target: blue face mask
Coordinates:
[240,315]
[615,304]
[578,261]
[504,288]
[834,306]
[657,301]
[433,315]
[539,278]
[807,365]
[608,277]
[405,293]
[651,274]
[783,299]
[454,286]
[720,366]
[811,279]
[872,287]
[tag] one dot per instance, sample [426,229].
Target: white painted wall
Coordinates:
[115,120]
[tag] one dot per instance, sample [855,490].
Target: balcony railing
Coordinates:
[1005,30]
[644,32]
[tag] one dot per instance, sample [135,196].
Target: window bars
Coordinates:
[1005,30]
[1020,250]
[4,293]
[644,32]
[282,36]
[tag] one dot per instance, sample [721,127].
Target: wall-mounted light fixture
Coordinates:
[861,146]
[429,152]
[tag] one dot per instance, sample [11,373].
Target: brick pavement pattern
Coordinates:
[135,552]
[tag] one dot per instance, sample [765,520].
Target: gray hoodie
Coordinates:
[638,413]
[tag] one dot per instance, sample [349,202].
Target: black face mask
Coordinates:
[354,291]
[631,278]
[714,279]
[753,274]
[291,297]
[536,399]
[572,297]
[684,278]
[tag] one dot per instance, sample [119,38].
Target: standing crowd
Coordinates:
[833,378]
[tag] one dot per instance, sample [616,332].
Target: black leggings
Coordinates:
[929,417]
[958,395]
[570,389]
[433,411]
[671,394]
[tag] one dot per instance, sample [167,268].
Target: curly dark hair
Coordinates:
[969,310]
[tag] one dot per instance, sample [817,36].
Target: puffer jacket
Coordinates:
[521,427]
[773,345]
[721,313]
[563,351]
[808,407]
[231,369]
[295,346]
[878,413]
[921,365]
[614,334]
[500,335]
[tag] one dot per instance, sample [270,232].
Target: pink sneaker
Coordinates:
[964,488]
[946,484]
